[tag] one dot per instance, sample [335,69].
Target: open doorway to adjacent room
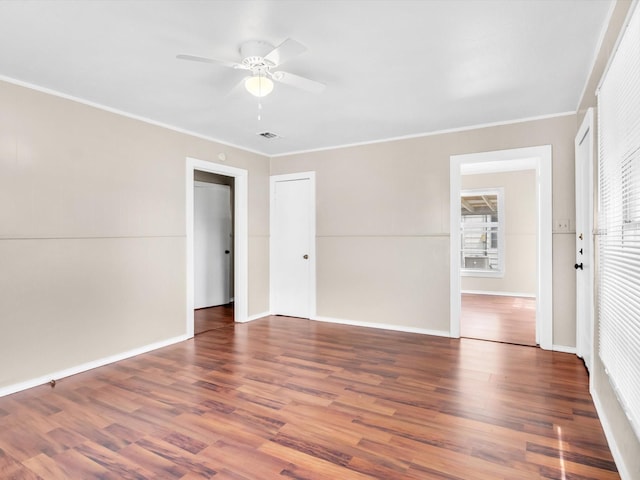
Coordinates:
[501,246]
[498,254]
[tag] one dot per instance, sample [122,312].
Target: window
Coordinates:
[618,274]
[482,232]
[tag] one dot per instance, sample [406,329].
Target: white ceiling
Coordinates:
[392,68]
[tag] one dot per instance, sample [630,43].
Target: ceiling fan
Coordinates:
[259,59]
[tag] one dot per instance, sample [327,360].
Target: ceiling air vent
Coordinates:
[269,135]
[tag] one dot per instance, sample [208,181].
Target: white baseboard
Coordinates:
[255,317]
[611,439]
[502,294]
[384,326]
[356,323]
[564,349]
[34,382]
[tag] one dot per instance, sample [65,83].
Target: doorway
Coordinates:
[213,251]
[498,253]
[531,158]
[240,238]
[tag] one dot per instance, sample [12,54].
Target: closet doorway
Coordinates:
[213,251]
[239,259]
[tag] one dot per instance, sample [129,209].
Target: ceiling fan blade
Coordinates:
[299,82]
[285,51]
[224,63]
[237,88]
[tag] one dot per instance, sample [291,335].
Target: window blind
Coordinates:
[479,238]
[618,274]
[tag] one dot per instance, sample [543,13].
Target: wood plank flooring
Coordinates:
[285,398]
[499,318]
[212,318]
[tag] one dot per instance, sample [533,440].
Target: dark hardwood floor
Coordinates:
[285,398]
[499,318]
[212,318]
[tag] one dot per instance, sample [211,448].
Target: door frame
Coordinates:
[311,176]
[541,158]
[586,128]
[240,238]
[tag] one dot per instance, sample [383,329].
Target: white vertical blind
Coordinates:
[619,220]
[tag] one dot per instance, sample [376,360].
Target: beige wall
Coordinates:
[92,232]
[610,411]
[519,232]
[383,223]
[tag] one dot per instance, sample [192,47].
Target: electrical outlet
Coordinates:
[562,226]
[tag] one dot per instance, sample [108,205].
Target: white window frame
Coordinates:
[499,273]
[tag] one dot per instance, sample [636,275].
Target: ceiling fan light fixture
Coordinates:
[258,85]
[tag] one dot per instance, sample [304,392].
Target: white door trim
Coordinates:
[312,234]
[587,310]
[241,255]
[541,157]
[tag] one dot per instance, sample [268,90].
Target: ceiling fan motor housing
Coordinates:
[253,53]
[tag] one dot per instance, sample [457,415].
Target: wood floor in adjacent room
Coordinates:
[498,318]
[285,398]
[212,318]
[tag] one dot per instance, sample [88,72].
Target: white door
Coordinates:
[293,245]
[212,244]
[584,240]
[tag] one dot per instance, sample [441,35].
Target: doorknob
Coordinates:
[306,257]
[578,266]
[227,252]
